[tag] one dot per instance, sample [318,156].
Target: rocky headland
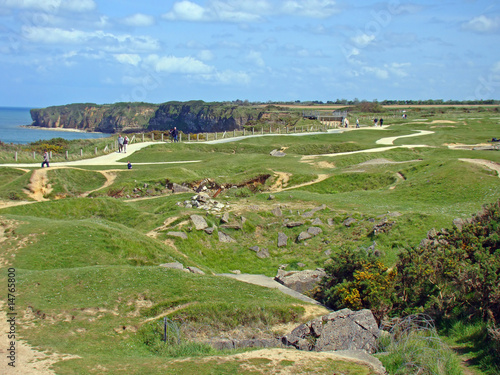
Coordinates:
[189,117]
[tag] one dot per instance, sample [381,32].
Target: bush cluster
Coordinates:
[454,274]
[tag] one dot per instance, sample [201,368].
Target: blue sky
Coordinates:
[65,51]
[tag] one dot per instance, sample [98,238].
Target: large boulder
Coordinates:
[341,330]
[199,222]
[300,281]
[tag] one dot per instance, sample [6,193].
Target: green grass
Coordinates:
[88,268]
[73,182]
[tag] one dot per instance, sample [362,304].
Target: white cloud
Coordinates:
[377,72]
[229,77]
[310,8]
[51,5]
[187,11]
[255,58]
[205,55]
[98,39]
[243,11]
[398,69]
[128,58]
[482,24]
[173,64]
[363,40]
[139,20]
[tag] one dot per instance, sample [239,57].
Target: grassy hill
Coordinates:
[87,256]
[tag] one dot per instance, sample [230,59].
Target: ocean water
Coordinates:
[11,131]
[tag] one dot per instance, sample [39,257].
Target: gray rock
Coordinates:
[303,236]
[199,222]
[348,222]
[255,248]
[328,252]
[178,234]
[174,265]
[224,238]
[225,217]
[176,188]
[277,153]
[330,222]
[340,330]
[317,221]
[313,211]
[243,220]
[271,197]
[314,231]
[293,224]
[209,230]
[300,281]
[263,253]
[231,226]
[195,270]
[282,239]
[277,212]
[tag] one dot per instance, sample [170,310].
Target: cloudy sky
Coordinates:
[104,51]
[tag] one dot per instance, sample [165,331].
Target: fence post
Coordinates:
[66,154]
[152,136]
[189,137]
[180,137]
[81,152]
[253,130]
[15,156]
[143,137]
[215,136]
[197,137]
[165,329]
[243,131]
[95,151]
[162,137]
[206,137]
[34,155]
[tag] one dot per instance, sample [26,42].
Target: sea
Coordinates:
[11,130]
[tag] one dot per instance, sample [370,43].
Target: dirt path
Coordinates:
[390,140]
[29,361]
[487,163]
[281,181]
[38,186]
[110,178]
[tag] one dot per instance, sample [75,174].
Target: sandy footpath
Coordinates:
[27,361]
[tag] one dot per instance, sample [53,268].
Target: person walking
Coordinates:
[125,143]
[45,159]
[120,142]
[357,123]
[381,122]
[174,134]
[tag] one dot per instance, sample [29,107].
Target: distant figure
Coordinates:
[381,121]
[375,121]
[45,159]
[174,133]
[129,165]
[120,143]
[346,122]
[357,122]
[125,143]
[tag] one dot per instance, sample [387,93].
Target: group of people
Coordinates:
[122,143]
[346,122]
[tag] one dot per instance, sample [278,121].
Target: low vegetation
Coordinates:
[87,252]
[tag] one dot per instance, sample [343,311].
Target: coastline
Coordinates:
[59,129]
